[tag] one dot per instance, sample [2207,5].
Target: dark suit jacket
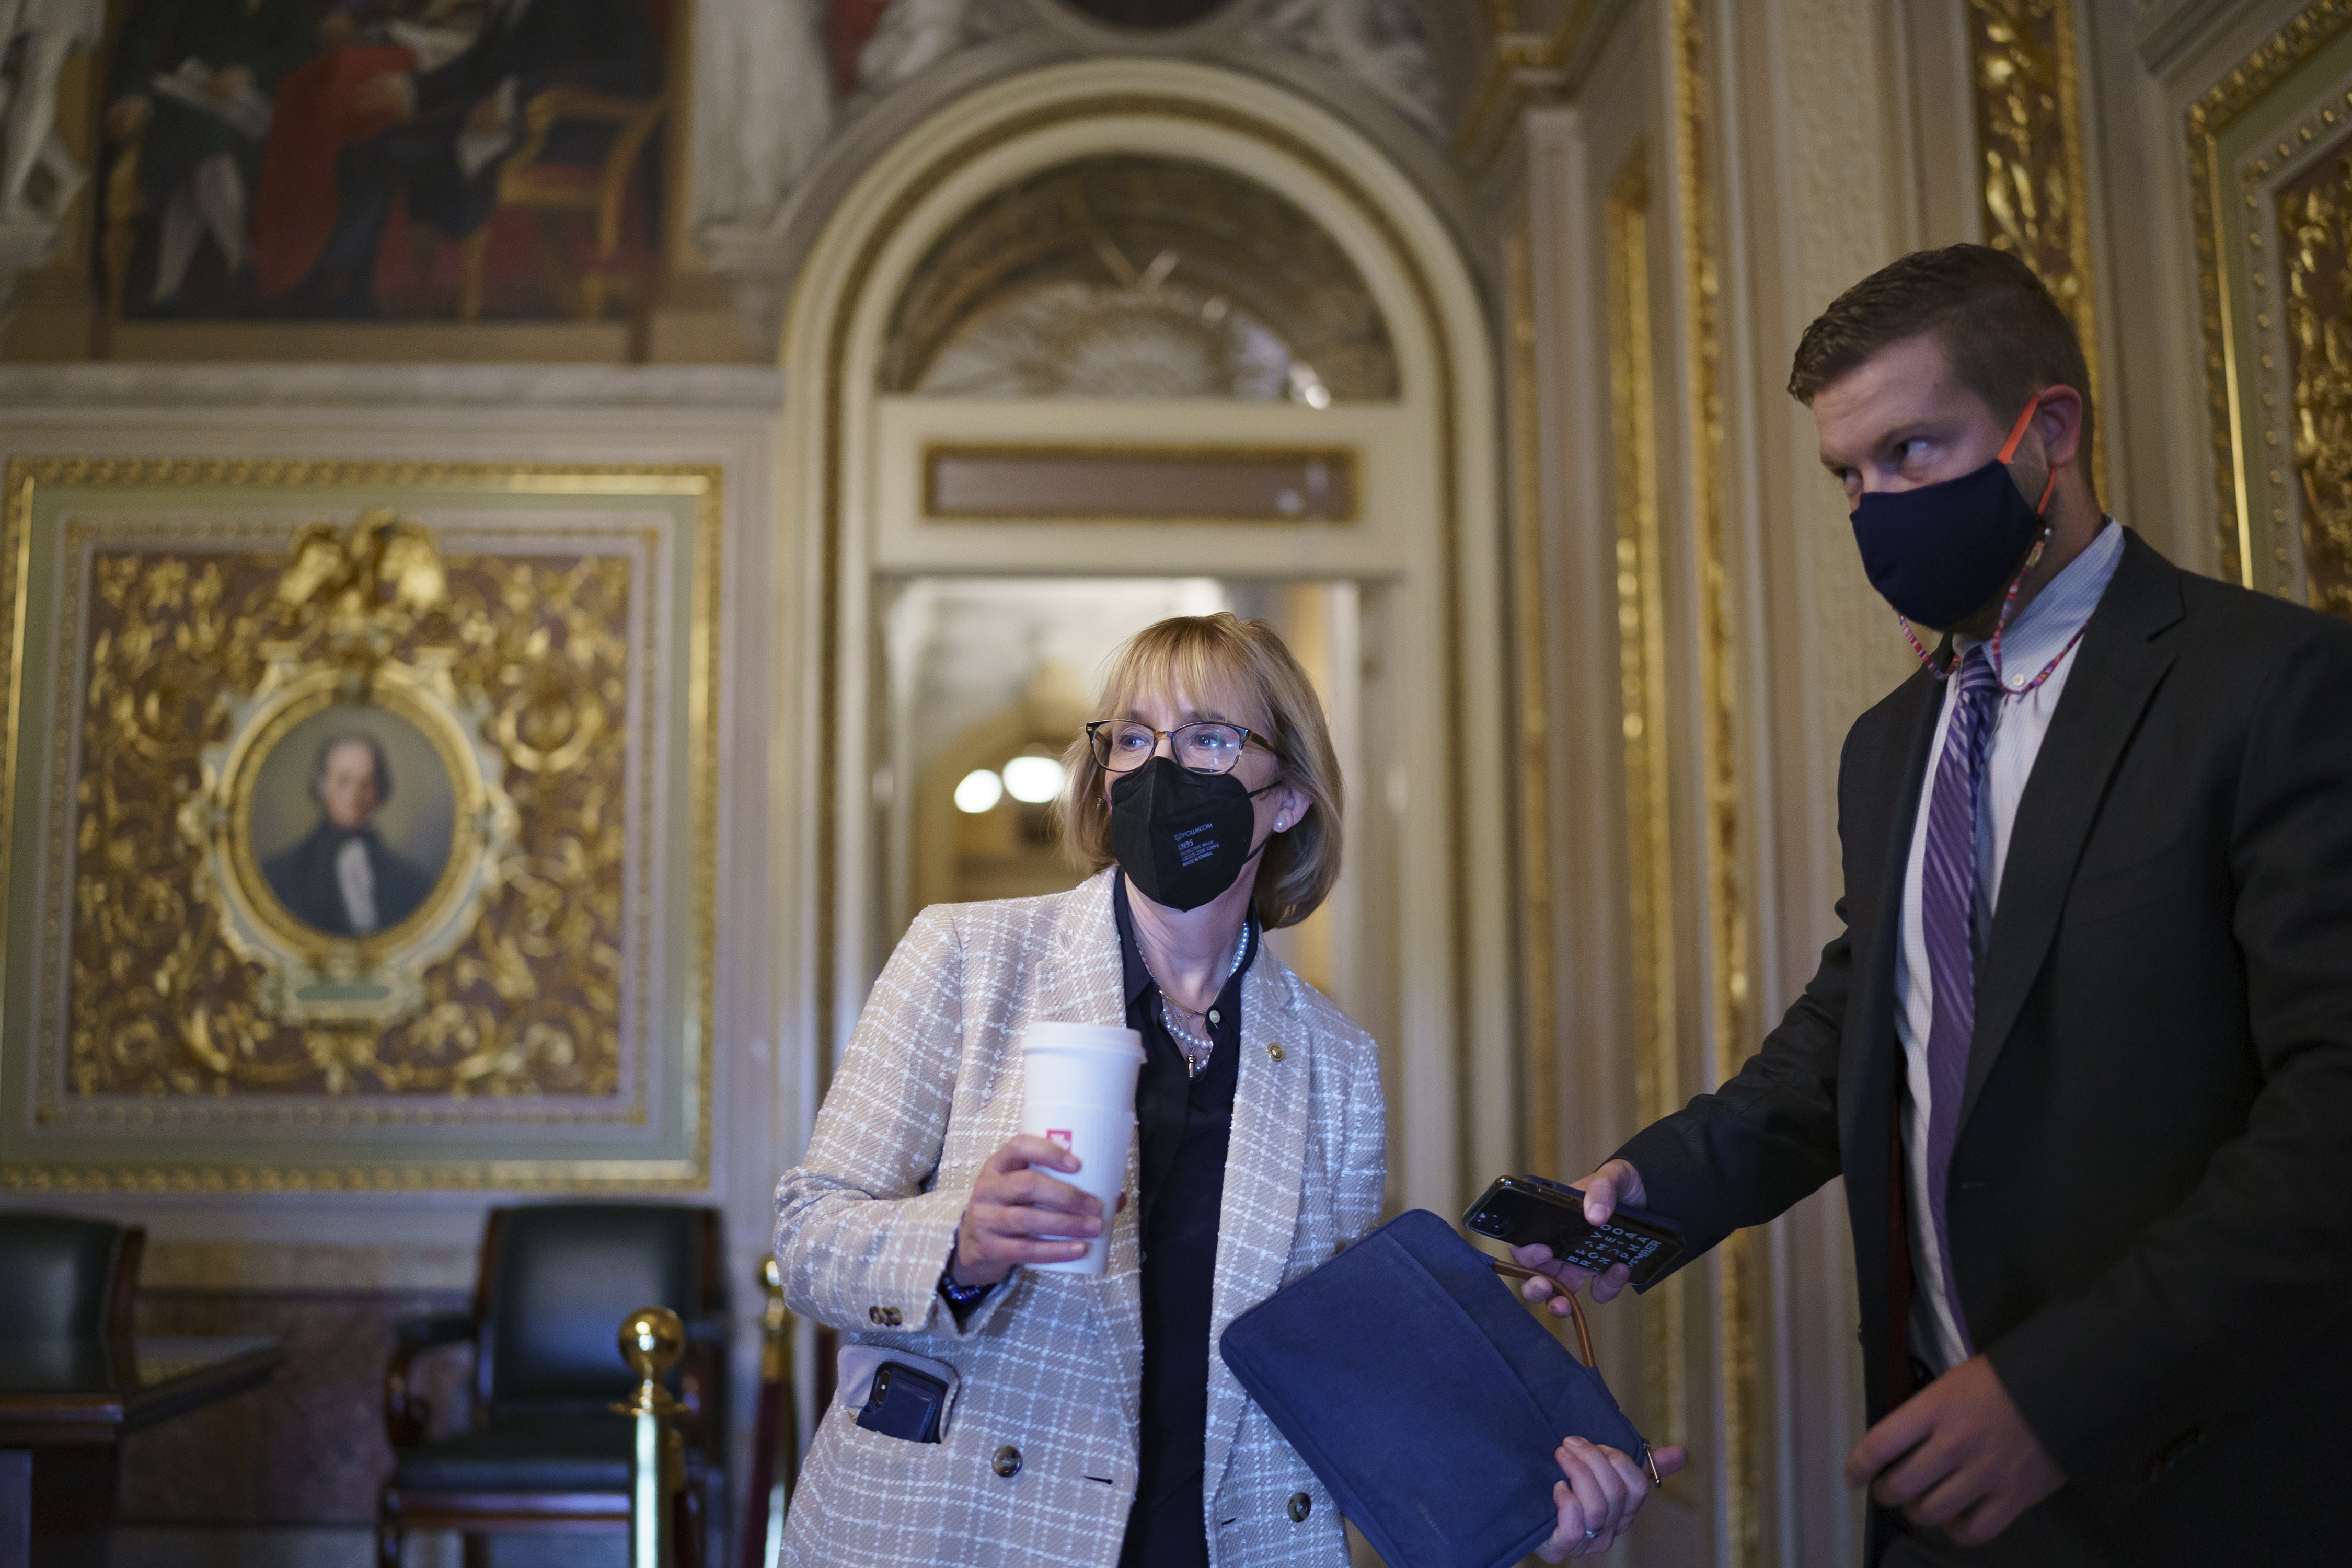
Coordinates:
[2151,1198]
[304,880]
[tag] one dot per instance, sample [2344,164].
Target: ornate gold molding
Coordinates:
[1530,688]
[2297,476]
[1641,687]
[1721,848]
[1528,68]
[2247,86]
[2034,193]
[695,640]
[2315,223]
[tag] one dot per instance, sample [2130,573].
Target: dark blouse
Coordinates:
[1183,1125]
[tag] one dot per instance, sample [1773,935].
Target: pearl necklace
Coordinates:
[1195,1050]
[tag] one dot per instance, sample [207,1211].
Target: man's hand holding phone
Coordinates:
[1615,1183]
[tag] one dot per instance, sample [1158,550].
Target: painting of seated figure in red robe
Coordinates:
[406,160]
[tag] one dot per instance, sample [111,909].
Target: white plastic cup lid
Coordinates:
[1114,1038]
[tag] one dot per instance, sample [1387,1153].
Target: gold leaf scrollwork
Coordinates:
[2316,234]
[360,589]
[2030,136]
[515,665]
[2027,194]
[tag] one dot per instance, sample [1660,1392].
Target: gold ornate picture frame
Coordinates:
[360,826]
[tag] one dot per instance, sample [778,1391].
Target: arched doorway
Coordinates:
[1125,337]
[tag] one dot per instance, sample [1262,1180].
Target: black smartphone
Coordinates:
[904,1404]
[1528,1211]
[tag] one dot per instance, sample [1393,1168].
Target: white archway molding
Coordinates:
[1451,1065]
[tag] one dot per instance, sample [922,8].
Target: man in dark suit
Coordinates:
[2083,1047]
[342,878]
[458,122]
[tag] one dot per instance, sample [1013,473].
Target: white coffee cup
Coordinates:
[1079,1091]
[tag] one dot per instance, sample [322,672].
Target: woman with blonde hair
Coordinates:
[1089,1420]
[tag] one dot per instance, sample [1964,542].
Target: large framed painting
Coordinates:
[359,825]
[361,160]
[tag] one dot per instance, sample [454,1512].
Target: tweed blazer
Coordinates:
[1051,1365]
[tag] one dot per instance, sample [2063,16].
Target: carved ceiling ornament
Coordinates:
[1124,276]
[38,177]
[1380,43]
[788,115]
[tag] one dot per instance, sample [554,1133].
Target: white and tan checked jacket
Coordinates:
[1051,1364]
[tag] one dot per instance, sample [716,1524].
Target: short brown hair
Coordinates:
[2004,334]
[1239,671]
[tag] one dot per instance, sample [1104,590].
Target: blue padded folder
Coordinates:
[1422,1391]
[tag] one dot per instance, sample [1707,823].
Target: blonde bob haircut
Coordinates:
[1233,671]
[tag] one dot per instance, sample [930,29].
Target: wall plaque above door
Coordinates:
[1136,483]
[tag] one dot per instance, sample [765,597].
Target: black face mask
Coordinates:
[1180,837]
[1939,552]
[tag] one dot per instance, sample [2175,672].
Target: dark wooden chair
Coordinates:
[545,1452]
[532,181]
[64,1277]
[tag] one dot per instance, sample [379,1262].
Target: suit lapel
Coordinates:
[1873,1052]
[1265,1164]
[2116,671]
[1082,984]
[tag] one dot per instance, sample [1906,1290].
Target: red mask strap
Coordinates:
[2017,431]
[2008,451]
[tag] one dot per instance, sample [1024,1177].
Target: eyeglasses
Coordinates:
[1123,745]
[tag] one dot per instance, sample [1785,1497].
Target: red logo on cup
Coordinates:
[1052,1136]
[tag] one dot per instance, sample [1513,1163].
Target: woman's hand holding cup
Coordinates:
[1015,1204]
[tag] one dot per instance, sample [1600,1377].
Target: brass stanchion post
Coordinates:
[652,1340]
[776,1372]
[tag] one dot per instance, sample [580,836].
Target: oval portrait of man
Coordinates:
[353,818]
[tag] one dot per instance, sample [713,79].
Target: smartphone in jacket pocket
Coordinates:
[896,1394]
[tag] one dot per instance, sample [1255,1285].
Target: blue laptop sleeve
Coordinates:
[1422,1391]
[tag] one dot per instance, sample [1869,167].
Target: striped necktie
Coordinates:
[1948,898]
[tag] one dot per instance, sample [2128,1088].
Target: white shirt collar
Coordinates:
[2044,627]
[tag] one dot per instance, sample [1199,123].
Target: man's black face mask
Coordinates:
[1940,552]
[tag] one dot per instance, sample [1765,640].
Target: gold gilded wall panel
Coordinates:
[2315,245]
[1642,685]
[517,665]
[2029,122]
[1531,711]
[156,1003]
[1721,851]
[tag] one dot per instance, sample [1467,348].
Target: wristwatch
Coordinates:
[962,1298]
